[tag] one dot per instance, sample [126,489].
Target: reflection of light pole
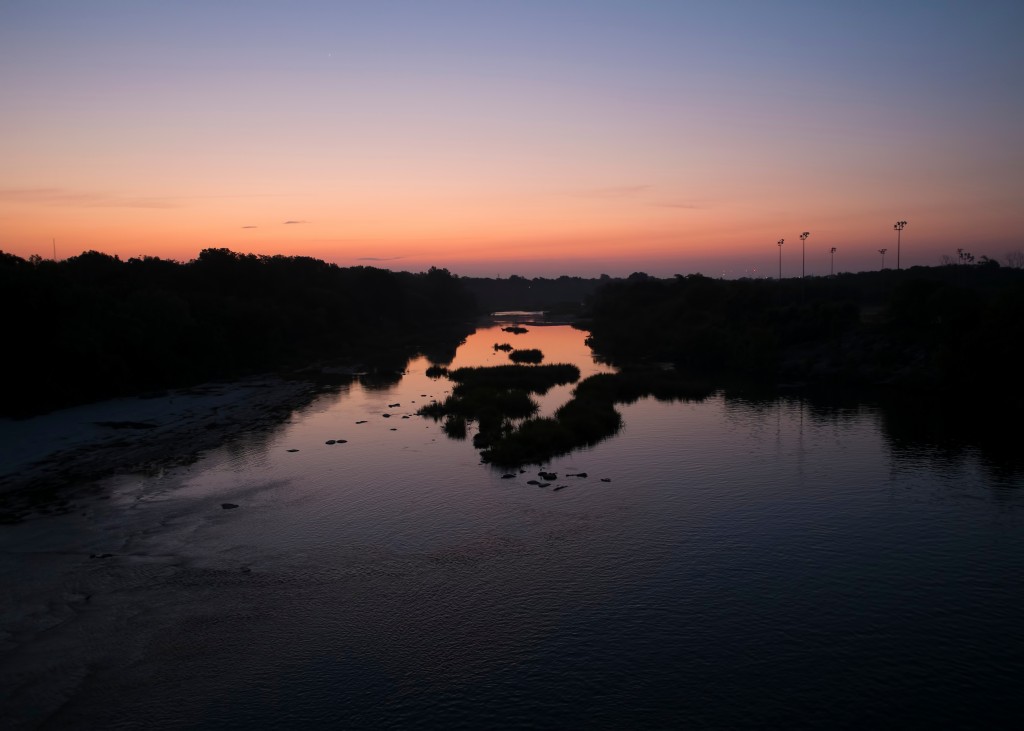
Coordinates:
[882,252]
[781,242]
[898,227]
[832,267]
[803,255]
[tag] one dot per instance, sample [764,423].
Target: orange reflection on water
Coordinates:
[558,343]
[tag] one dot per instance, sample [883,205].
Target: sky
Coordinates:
[499,137]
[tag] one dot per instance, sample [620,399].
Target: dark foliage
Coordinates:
[436,371]
[473,401]
[588,418]
[928,328]
[494,397]
[526,355]
[497,399]
[533,379]
[455,427]
[560,295]
[94,326]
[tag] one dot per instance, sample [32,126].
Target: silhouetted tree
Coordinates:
[93,326]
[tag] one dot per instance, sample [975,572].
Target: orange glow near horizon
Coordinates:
[506,140]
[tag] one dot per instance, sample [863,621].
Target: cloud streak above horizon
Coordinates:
[71,198]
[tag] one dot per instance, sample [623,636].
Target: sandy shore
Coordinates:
[56,451]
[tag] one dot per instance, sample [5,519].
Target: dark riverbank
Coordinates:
[938,329]
[94,327]
[47,460]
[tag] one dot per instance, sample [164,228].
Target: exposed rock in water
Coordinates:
[228,506]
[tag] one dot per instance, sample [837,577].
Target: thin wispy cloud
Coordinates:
[617,191]
[289,223]
[689,205]
[83,199]
[248,227]
[379,258]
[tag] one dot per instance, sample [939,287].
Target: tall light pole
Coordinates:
[882,252]
[803,255]
[898,228]
[781,242]
[832,266]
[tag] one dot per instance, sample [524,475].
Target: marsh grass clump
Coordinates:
[588,418]
[493,409]
[526,355]
[510,434]
[535,441]
[515,330]
[480,403]
[455,426]
[434,410]
[495,398]
[533,379]
[503,346]
[471,401]
[436,371]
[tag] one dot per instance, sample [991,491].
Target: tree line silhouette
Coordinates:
[923,328]
[94,326]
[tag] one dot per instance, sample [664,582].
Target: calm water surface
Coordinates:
[748,564]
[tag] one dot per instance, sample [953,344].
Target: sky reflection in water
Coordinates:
[750,563]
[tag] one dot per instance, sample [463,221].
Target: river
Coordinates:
[728,562]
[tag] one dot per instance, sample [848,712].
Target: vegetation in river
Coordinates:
[515,329]
[454,426]
[510,434]
[495,398]
[436,371]
[477,402]
[533,379]
[578,423]
[589,417]
[526,355]
[503,346]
